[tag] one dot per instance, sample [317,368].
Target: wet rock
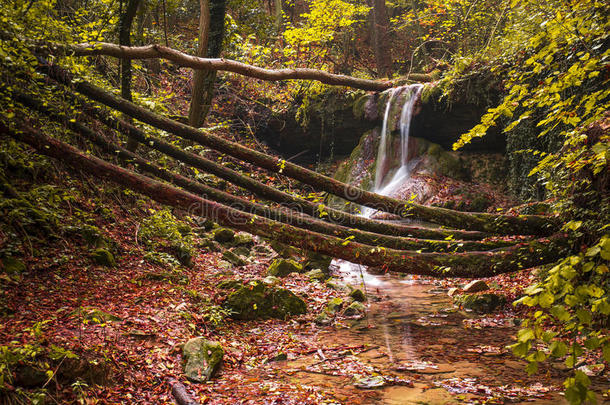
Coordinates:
[283,267]
[316,274]
[453,291]
[12,266]
[475,286]
[223,235]
[202,359]
[103,257]
[259,300]
[232,258]
[355,309]
[481,303]
[368,382]
[358,295]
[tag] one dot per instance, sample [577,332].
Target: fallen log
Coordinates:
[242,204]
[266,192]
[220,64]
[468,265]
[493,223]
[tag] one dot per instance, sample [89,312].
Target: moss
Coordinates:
[355,309]
[357,295]
[480,303]
[223,235]
[95,315]
[316,274]
[12,266]
[103,257]
[283,267]
[230,285]
[430,93]
[258,300]
[233,258]
[202,359]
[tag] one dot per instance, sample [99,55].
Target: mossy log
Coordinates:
[473,264]
[493,223]
[279,214]
[264,191]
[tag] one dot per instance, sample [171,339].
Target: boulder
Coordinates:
[355,309]
[223,235]
[318,261]
[243,239]
[259,300]
[103,257]
[481,303]
[233,258]
[453,291]
[272,280]
[241,251]
[357,295]
[316,274]
[334,305]
[230,285]
[475,286]
[202,359]
[283,250]
[336,284]
[283,267]
[210,245]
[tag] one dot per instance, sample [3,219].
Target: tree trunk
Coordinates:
[125,23]
[492,223]
[211,36]
[380,38]
[475,264]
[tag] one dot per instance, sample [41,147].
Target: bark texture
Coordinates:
[492,223]
[125,23]
[228,65]
[476,264]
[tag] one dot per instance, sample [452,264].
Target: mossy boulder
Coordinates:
[12,266]
[103,257]
[355,309]
[283,250]
[210,245]
[259,300]
[334,305]
[358,295]
[241,251]
[223,235]
[318,261]
[230,284]
[283,267]
[480,303]
[183,253]
[243,239]
[272,280]
[232,258]
[316,275]
[202,359]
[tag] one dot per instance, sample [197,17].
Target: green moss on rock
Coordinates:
[223,235]
[103,257]
[202,359]
[283,267]
[259,300]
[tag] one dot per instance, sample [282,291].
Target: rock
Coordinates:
[316,274]
[283,267]
[453,291]
[230,285]
[358,295]
[202,359]
[368,382]
[224,265]
[223,235]
[271,280]
[210,245]
[336,284]
[12,267]
[183,253]
[355,309]
[334,305]
[243,239]
[233,258]
[241,251]
[475,286]
[207,224]
[318,261]
[283,250]
[93,236]
[323,319]
[259,300]
[103,257]
[263,250]
[481,303]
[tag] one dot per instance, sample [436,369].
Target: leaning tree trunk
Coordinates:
[474,264]
[493,223]
[282,215]
[125,23]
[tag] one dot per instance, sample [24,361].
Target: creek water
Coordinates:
[412,329]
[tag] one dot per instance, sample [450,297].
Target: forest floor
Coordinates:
[125,324]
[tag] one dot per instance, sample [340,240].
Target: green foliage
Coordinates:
[575,297]
[163,230]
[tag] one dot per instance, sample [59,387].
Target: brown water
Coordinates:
[417,348]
